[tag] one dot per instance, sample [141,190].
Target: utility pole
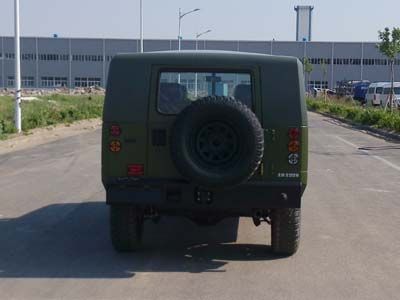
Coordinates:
[197,48]
[17,77]
[181,15]
[141,26]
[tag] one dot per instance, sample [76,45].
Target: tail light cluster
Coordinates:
[294,146]
[115,146]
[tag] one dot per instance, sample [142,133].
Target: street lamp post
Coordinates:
[17,77]
[181,15]
[197,48]
[199,35]
[141,26]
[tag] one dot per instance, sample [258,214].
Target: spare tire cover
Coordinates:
[217,142]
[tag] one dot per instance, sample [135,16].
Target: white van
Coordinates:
[373,96]
[386,91]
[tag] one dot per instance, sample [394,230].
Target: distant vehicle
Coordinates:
[360,90]
[317,92]
[384,98]
[344,88]
[373,95]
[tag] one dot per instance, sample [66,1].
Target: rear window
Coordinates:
[379,90]
[176,90]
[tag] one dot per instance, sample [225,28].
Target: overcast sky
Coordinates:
[333,20]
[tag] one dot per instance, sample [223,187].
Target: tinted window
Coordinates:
[371,90]
[379,90]
[178,89]
[396,91]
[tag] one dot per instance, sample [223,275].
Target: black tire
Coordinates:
[285,230]
[217,142]
[126,226]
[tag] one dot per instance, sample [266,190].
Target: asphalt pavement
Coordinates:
[54,239]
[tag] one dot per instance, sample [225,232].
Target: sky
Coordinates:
[333,20]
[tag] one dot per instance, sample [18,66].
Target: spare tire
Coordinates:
[217,142]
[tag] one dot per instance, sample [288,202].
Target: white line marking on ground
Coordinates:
[377,190]
[347,142]
[388,163]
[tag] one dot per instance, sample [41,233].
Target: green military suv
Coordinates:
[205,135]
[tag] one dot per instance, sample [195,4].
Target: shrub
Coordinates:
[49,110]
[352,111]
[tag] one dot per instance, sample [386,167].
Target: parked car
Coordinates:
[374,92]
[360,90]
[386,93]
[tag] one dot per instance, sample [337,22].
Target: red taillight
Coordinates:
[136,170]
[115,130]
[294,146]
[294,133]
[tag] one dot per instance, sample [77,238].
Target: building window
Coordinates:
[87,81]
[10,56]
[87,57]
[54,57]
[320,61]
[28,56]
[28,81]
[317,84]
[10,81]
[54,82]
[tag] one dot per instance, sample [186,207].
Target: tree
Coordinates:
[308,68]
[390,47]
[324,70]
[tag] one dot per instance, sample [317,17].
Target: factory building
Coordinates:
[80,62]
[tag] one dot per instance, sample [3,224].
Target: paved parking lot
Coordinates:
[54,240]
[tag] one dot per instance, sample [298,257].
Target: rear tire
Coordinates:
[285,230]
[126,226]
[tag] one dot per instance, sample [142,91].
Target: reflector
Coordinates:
[136,170]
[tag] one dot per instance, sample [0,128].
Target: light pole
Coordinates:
[199,35]
[181,15]
[141,26]
[197,48]
[17,77]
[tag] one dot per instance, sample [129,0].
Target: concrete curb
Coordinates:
[381,133]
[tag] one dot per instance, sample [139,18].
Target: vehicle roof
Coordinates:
[388,84]
[190,57]
[375,84]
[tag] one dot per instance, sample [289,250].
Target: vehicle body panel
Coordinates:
[373,95]
[131,103]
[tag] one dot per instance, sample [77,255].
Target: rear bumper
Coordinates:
[176,197]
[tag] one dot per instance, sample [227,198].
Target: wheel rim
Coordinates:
[216,143]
